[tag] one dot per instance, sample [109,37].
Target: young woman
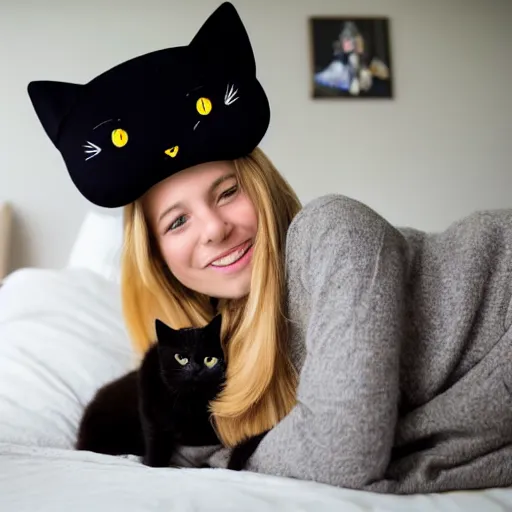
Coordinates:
[377,357]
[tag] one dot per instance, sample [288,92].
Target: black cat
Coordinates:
[111,422]
[165,403]
[177,381]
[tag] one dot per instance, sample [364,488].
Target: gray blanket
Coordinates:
[403,342]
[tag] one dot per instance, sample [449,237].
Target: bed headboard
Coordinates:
[5,238]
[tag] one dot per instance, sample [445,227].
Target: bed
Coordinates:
[61,337]
[5,237]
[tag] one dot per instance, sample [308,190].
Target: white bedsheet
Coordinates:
[56,480]
[62,337]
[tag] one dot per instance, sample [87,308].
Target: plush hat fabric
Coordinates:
[152,116]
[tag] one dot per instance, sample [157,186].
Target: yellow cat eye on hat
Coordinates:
[119,138]
[204,106]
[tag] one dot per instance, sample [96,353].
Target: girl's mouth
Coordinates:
[234,260]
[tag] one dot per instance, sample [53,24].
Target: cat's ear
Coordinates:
[163,331]
[52,101]
[215,325]
[224,41]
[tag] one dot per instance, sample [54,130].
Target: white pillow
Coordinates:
[62,336]
[98,245]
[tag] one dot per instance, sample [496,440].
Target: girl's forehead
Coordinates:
[185,186]
[191,177]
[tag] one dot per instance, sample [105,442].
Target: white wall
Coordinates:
[439,150]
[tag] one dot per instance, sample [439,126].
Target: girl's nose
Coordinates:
[216,229]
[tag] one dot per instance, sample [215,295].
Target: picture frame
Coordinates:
[350,57]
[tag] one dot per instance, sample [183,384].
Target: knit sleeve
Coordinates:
[348,266]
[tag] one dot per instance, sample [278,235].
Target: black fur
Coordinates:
[110,423]
[174,399]
[164,404]
[243,452]
[147,412]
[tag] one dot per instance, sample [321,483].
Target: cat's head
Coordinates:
[191,357]
[154,115]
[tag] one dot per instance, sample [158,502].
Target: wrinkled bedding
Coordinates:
[56,480]
[62,337]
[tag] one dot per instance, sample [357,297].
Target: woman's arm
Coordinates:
[347,272]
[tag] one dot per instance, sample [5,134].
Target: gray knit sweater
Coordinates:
[403,342]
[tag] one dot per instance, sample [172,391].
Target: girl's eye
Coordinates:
[229,192]
[177,223]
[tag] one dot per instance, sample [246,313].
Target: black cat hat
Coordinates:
[152,116]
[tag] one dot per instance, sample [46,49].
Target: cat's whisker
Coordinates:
[90,147]
[196,124]
[229,97]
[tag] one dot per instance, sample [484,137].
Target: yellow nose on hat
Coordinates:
[172,152]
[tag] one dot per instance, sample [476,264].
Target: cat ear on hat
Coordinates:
[151,116]
[224,39]
[52,101]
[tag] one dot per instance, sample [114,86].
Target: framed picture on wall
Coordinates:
[350,57]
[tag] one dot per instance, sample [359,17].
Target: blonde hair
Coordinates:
[261,381]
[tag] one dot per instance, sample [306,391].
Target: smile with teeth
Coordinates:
[231,258]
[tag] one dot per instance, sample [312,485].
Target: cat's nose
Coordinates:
[172,152]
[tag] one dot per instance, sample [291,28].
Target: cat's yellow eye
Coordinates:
[204,106]
[119,138]
[182,360]
[210,362]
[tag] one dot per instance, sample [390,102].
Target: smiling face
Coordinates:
[205,227]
